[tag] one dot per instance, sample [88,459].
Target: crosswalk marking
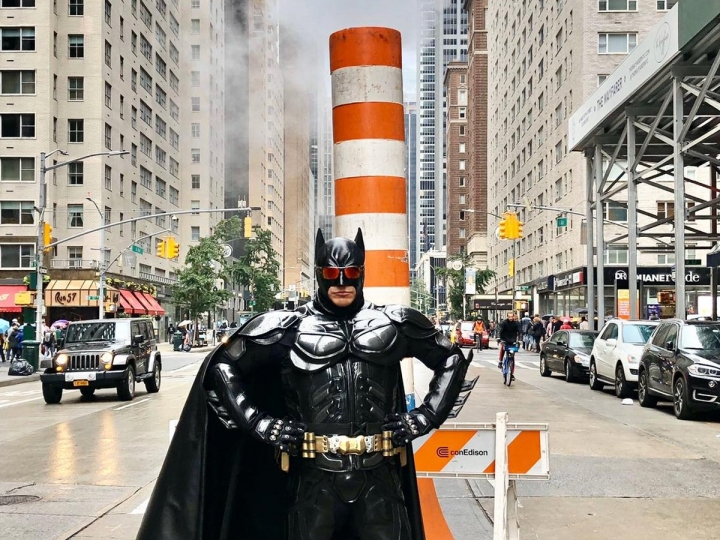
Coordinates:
[141,508]
[522,364]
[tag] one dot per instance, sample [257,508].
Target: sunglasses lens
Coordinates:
[330,272]
[352,272]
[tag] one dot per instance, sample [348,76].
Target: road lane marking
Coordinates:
[19,402]
[477,364]
[184,368]
[131,404]
[141,509]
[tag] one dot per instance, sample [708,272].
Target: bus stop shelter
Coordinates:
[655,115]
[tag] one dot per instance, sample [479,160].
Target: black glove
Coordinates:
[283,433]
[406,426]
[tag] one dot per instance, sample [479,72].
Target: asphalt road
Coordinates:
[618,471]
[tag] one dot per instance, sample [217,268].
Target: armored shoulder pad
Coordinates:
[268,328]
[412,323]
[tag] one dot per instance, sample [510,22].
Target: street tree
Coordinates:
[196,290]
[455,280]
[420,299]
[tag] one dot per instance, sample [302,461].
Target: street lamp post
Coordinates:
[42,203]
[101,284]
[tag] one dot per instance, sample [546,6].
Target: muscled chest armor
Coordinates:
[344,372]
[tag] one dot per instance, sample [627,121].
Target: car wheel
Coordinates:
[681,401]
[544,371]
[52,394]
[595,384]
[126,387]
[569,373]
[622,388]
[87,392]
[644,397]
[152,385]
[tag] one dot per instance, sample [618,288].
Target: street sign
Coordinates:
[562,222]
[252,303]
[42,270]
[522,288]
[129,258]
[93,297]
[693,262]
[137,249]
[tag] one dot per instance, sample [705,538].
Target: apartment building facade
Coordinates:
[411,140]
[92,77]
[546,58]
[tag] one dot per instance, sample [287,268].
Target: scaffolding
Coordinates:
[657,114]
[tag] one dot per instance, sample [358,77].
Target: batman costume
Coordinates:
[296,429]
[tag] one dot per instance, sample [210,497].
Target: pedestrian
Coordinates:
[538,331]
[479,330]
[170,332]
[566,324]
[2,346]
[346,455]
[49,342]
[584,324]
[525,324]
[13,333]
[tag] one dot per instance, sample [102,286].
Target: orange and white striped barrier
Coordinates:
[369,155]
[501,452]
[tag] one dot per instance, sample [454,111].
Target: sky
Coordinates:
[317,19]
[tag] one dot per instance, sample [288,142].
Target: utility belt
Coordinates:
[316,442]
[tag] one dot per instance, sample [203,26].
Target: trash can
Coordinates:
[31,352]
[177,341]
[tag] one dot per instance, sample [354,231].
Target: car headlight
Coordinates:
[579,358]
[62,359]
[632,359]
[704,371]
[107,360]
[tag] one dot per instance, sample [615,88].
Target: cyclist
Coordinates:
[507,334]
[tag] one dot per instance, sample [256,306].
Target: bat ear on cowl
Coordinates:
[319,242]
[359,240]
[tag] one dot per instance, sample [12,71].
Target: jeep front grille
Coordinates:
[83,362]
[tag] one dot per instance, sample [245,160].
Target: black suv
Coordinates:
[108,353]
[681,363]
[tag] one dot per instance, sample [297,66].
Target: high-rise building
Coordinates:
[411,140]
[325,185]
[93,77]
[546,58]
[202,112]
[443,38]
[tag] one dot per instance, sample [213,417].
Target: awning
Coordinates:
[76,293]
[7,298]
[157,309]
[130,303]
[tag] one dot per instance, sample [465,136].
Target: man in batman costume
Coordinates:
[296,429]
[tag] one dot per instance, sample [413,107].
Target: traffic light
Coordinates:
[161,249]
[520,229]
[247,222]
[502,228]
[511,267]
[173,248]
[47,234]
[511,226]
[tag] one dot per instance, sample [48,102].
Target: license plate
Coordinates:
[80,376]
[81,383]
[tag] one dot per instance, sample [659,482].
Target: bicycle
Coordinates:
[508,365]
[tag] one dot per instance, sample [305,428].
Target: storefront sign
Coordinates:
[570,280]
[66,298]
[500,304]
[623,304]
[545,284]
[658,276]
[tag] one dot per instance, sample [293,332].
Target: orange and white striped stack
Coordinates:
[369,155]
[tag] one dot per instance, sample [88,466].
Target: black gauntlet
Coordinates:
[406,427]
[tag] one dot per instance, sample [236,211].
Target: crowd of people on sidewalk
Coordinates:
[11,341]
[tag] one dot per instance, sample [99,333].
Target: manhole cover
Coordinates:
[6,500]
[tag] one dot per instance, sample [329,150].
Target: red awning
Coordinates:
[154,305]
[131,304]
[7,298]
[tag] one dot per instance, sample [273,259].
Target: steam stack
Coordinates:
[369,155]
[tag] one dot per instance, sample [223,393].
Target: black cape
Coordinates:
[221,484]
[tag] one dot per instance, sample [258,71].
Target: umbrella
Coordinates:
[184,323]
[62,323]
[547,317]
[4,325]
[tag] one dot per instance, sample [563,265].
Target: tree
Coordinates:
[455,281]
[196,289]
[420,299]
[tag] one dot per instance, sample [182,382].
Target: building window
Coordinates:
[76,8]
[108,215]
[17,3]
[145,113]
[17,169]
[462,181]
[195,26]
[16,213]
[76,88]
[615,211]
[75,215]
[665,258]
[601,78]
[108,12]
[664,5]
[18,39]
[160,66]
[17,82]
[133,194]
[16,255]
[75,174]
[195,234]
[616,254]
[145,145]
[160,187]
[76,44]
[196,104]
[195,78]
[133,155]
[174,198]
[108,95]
[196,52]
[461,164]
[195,130]
[122,189]
[145,178]
[108,136]
[462,148]
[17,126]
[108,54]
[618,5]
[75,255]
[462,112]
[195,178]
[160,96]
[76,130]
[462,131]
[665,209]
[160,126]
[195,4]
[133,43]
[616,43]
[195,153]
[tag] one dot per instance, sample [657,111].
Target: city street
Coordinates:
[618,471]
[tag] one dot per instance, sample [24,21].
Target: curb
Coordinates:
[19,379]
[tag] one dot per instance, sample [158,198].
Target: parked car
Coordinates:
[567,352]
[616,354]
[681,363]
[465,333]
[108,353]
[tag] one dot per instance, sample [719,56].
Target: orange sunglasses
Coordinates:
[333,272]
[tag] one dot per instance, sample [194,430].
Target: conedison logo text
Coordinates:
[445,452]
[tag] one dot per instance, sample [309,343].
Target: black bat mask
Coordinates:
[348,257]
